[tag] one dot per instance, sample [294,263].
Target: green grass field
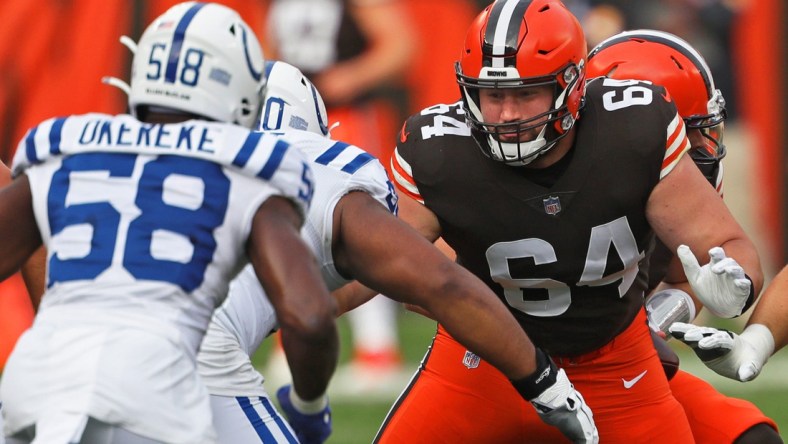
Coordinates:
[356,420]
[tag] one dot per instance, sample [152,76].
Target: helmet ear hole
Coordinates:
[246,107]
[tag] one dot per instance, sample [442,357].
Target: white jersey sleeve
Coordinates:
[241,324]
[339,168]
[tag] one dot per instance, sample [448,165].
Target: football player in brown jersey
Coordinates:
[667,60]
[556,213]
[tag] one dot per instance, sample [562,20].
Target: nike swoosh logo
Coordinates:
[403,136]
[628,384]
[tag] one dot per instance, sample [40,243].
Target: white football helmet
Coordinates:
[291,101]
[198,58]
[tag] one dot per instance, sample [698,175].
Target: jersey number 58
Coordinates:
[83,207]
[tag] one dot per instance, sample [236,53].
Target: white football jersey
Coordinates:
[2,436]
[145,225]
[246,317]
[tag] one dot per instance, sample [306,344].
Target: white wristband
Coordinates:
[308,407]
[761,339]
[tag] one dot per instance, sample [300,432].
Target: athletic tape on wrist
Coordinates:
[545,375]
[750,298]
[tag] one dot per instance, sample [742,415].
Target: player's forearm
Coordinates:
[465,297]
[18,228]
[306,312]
[772,309]
[352,295]
[34,274]
[312,361]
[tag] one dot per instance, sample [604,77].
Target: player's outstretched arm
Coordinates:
[34,275]
[289,274]
[19,236]
[386,254]
[684,210]
[772,309]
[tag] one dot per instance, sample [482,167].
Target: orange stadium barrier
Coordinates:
[758,37]
[441,26]
[53,55]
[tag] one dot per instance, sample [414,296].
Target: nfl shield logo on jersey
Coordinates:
[470,360]
[552,205]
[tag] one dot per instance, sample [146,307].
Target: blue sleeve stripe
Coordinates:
[278,420]
[274,161]
[331,153]
[247,149]
[30,146]
[254,419]
[360,160]
[55,134]
[177,42]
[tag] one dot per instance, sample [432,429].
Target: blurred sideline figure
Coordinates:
[665,59]
[550,189]
[146,218]
[353,232]
[357,53]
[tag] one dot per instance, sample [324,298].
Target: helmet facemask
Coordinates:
[555,122]
[712,126]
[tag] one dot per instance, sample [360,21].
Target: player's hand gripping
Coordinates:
[720,285]
[309,427]
[557,402]
[739,357]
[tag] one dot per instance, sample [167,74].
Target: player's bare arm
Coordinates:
[417,216]
[772,309]
[5,175]
[411,270]
[18,229]
[670,211]
[34,275]
[421,218]
[292,282]
[33,271]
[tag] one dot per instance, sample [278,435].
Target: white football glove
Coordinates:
[720,285]
[739,357]
[562,406]
[557,402]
